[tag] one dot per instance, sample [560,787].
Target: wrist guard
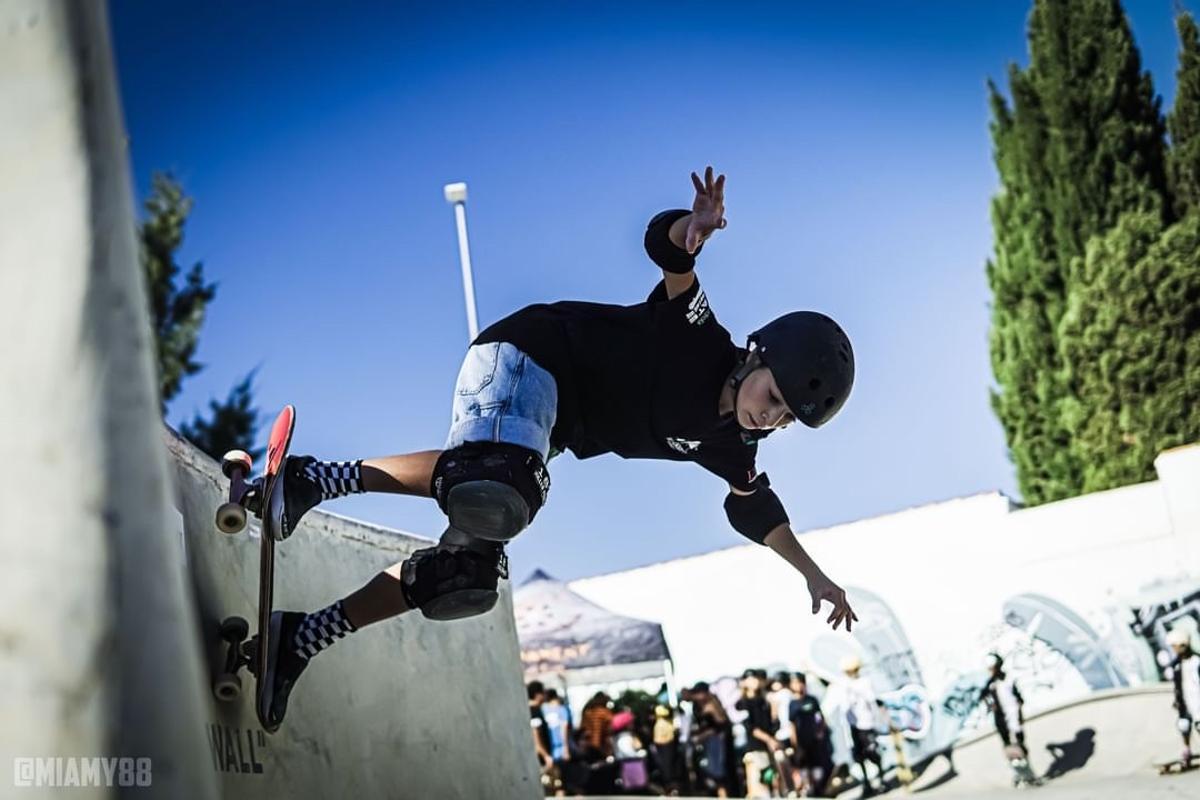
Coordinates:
[662,250]
[755,515]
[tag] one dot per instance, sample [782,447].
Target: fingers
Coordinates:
[709,187]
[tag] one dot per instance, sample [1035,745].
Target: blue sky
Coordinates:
[316,138]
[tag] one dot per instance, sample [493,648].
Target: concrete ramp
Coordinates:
[1106,738]
[405,708]
[112,599]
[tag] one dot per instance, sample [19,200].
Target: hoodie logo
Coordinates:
[698,311]
[684,446]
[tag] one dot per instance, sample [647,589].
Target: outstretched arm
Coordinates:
[688,232]
[820,587]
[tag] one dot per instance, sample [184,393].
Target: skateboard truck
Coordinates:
[244,495]
[239,653]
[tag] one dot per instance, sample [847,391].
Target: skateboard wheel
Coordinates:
[231,517]
[234,629]
[227,687]
[236,458]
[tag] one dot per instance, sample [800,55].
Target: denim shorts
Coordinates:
[502,395]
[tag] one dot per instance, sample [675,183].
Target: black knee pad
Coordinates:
[490,490]
[453,581]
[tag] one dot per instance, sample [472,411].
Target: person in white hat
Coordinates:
[1185,672]
[862,716]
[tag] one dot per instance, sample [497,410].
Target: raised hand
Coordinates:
[708,209]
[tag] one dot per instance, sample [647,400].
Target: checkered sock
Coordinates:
[336,478]
[320,629]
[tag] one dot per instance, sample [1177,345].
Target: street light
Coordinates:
[456,195]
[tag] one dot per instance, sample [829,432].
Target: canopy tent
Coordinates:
[582,647]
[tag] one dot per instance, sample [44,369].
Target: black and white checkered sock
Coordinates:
[336,478]
[320,629]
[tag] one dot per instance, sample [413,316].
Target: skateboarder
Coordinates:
[1001,695]
[659,379]
[1185,673]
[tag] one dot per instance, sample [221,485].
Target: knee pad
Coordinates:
[490,490]
[457,578]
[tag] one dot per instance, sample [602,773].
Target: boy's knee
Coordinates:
[491,490]
[457,578]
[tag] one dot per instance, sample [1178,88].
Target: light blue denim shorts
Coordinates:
[502,395]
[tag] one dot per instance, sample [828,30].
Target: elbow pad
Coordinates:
[755,515]
[662,250]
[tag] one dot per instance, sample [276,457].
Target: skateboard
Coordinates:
[257,497]
[904,772]
[1022,774]
[1177,765]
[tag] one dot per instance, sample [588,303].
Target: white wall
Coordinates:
[945,570]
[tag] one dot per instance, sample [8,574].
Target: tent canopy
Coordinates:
[559,630]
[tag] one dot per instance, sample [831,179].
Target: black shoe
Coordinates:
[284,667]
[294,496]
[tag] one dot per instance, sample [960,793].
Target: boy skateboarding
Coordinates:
[659,379]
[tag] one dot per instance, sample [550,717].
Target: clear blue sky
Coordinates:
[316,138]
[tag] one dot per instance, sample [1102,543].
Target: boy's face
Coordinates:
[759,403]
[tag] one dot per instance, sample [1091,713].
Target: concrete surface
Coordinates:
[405,708]
[98,644]
[112,597]
[1108,745]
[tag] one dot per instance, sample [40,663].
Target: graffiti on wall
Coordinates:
[1152,620]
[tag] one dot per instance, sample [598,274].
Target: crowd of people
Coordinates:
[774,740]
[644,745]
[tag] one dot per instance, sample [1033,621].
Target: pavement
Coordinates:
[1104,746]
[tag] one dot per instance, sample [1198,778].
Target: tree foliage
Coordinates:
[232,424]
[1081,144]
[177,309]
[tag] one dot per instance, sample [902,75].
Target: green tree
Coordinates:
[232,424]
[177,311]
[1184,120]
[1130,340]
[1082,143]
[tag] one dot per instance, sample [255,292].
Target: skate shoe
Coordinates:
[284,667]
[297,493]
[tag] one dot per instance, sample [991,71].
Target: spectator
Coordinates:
[862,717]
[760,734]
[595,728]
[710,736]
[541,737]
[666,748]
[558,723]
[812,747]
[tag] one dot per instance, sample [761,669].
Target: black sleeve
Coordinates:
[662,250]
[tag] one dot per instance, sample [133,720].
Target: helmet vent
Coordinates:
[844,355]
[814,384]
[829,402]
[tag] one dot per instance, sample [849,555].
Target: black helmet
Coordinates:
[812,361]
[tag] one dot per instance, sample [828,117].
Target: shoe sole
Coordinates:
[266,695]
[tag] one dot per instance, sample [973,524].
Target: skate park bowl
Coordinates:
[112,567]
[1081,749]
[404,708]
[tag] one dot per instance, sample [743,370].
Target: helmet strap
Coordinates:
[751,363]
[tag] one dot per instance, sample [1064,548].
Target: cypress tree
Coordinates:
[1082,144]
[1184,120]
[1130,341]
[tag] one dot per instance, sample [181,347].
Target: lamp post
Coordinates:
[456,195]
